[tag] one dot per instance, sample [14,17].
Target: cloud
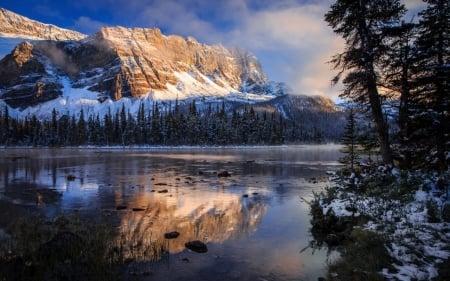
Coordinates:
[295,43]
[87,25]
[289,37]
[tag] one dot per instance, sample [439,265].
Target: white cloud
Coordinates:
[300,39]
[289,37]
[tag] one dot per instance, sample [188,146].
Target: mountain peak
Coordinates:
[69,71]
[15,25]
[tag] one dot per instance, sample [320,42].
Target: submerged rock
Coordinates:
[171,235]
[196,246]
[223,174]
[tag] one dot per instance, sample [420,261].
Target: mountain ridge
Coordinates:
[119,66]
[15,25]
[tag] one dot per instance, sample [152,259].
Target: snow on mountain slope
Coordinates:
[115,66]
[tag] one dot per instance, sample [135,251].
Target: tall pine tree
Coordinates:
[361,24]
[350,142]
[432,96]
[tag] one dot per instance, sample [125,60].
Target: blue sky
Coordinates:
[289,37]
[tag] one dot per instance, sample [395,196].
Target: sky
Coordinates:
[289,37]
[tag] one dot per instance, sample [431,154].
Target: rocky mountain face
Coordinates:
[68,71]
[120,62]
[140,61]
[23,73]
[14,25]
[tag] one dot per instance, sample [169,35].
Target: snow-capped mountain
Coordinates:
[17,26]
[68,71]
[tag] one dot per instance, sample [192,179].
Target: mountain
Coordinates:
[14,25]
[60,69]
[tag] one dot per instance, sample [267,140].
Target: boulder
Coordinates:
[171,235]
[196,246]
[224,174]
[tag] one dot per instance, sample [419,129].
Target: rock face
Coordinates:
[116,62]
[141,60]
[24,75]
[120,62]
[15,25]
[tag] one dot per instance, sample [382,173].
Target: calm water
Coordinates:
[253,222]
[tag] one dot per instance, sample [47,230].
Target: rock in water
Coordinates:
[196,246]
[171,235]
[223,174]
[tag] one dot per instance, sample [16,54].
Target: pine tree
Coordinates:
[81,129]
[350,142]
[432,96]
[361,24]
[54,134]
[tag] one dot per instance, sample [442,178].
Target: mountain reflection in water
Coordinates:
[195,214]
[253,222]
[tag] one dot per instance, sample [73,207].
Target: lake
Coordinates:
[254,222]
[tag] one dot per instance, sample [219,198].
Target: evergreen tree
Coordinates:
[81,129]
[350,142]
[54,134]
[108,128]
[399,64]
[361,24]
[432,96]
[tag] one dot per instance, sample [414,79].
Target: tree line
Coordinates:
[388,58]
[156,126]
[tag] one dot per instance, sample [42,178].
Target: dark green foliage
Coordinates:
[361,24]
[350,142]
[162,126]
[431,99]
[388,58]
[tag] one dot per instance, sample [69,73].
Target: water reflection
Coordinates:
[195,214]
[253,222]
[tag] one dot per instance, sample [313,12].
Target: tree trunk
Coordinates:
[403,117]
[380,124]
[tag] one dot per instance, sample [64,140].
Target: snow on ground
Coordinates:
[416,244]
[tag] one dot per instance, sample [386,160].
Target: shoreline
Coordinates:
[407,213]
